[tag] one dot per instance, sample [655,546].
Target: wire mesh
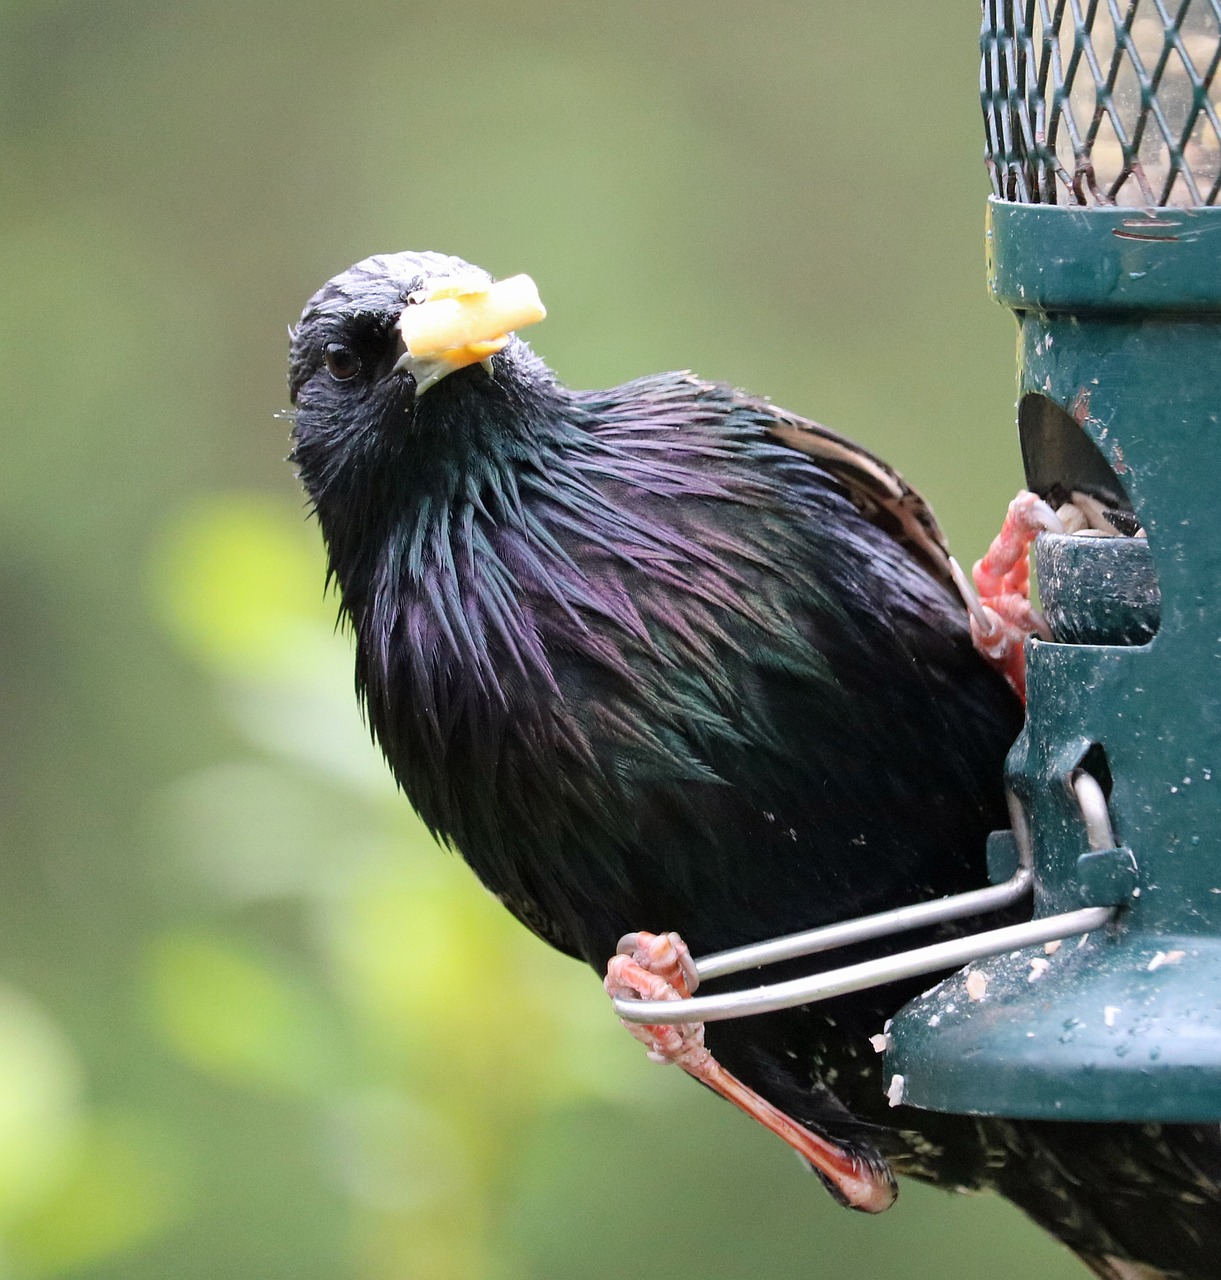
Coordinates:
[1102,102]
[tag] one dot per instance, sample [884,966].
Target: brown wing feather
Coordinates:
[878,490]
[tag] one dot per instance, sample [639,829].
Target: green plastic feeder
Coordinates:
[1114,274]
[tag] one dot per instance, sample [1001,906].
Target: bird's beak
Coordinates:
[458,321]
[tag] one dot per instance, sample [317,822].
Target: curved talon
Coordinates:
[1003,641]
[970,597]
[653,966]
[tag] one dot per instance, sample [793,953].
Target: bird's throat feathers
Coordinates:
[422,541]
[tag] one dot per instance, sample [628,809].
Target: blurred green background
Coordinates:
[252,1023]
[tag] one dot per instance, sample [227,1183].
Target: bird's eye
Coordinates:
[342,363]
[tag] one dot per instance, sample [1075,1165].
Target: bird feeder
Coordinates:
[1104,237]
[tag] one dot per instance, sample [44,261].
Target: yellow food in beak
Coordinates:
[462,320]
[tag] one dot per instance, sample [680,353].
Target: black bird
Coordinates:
[667,657]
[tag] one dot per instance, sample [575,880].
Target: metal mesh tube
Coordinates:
[1102,102]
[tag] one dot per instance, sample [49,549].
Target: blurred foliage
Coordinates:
[252,1021]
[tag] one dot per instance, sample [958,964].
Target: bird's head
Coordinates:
[396,364]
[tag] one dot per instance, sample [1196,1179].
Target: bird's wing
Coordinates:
[878,490]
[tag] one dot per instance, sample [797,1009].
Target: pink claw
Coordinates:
[1004,616]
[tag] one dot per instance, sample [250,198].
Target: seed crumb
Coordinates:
[1050,948]
[1108,1014]
[894,1095]
[977,985]
[1038,967]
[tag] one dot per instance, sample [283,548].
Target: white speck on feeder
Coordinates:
[1038,967]
[894,1095]
[1108,1014]
[935,1020]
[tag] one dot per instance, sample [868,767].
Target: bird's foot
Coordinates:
[658,966]
[652,966]
[1002,615]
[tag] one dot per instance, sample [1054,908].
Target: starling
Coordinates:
[666,657]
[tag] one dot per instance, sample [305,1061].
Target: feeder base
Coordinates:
[1100,1028]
